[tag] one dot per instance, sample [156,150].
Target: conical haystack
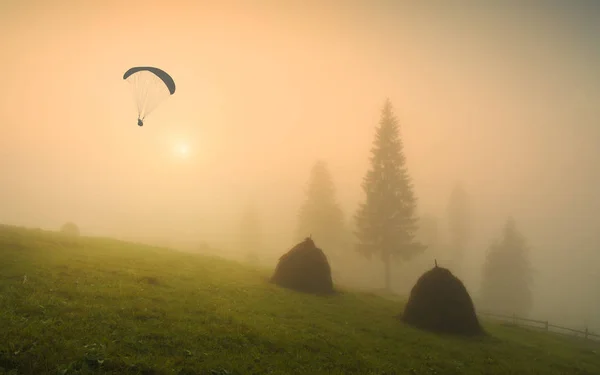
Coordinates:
[304,268]
[439,302]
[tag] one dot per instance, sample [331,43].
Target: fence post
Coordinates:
[514,318]
[546,324]
[586,332]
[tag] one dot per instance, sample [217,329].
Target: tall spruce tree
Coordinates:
[459,225]
[507,274]
[386,222]
[320,216]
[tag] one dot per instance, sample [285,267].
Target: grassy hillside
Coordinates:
[81,306]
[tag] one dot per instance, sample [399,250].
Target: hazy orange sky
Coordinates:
[503,98]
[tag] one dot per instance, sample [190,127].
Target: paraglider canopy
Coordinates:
[150,87]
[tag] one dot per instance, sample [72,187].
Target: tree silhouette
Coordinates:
[70,229]
[507,274]
[386,223]
[320,216]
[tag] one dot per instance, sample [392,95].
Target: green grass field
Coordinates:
[92,306]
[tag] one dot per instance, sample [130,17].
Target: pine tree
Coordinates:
[507,274]
[386,223]
[459,225]
[250,234]
[320,216]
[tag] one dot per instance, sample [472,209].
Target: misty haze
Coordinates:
[341,187]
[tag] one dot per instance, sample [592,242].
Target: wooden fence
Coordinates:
[542,325]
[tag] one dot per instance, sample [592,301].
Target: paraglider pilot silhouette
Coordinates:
[150,86]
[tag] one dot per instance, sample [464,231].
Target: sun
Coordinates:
[182,150]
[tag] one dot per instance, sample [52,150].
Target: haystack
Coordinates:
[439,302]
[304,268]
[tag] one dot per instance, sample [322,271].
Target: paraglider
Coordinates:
[150,86]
